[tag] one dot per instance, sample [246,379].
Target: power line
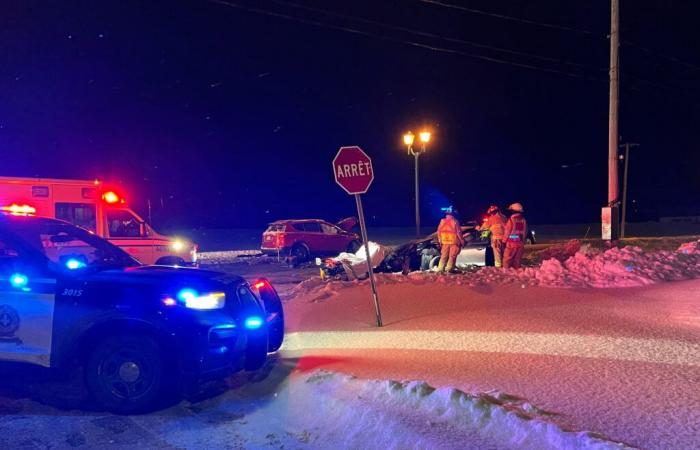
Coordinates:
[511,18]
[560,27]
[661,55]
[400,41]
[434,36]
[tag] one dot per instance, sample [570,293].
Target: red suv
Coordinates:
[303,238]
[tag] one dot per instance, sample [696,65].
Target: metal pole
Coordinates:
[624,187]
[613,132]
[365,240]
[417,154]
[624,192]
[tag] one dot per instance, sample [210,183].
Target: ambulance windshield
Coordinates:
[73,248]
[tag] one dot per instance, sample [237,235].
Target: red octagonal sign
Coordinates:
[353,170]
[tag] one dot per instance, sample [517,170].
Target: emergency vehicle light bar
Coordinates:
[19,210]
[111,197]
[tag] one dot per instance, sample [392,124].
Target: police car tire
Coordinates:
[142,348]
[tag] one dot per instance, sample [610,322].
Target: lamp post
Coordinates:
[408,139]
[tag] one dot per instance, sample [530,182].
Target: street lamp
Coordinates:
[408,139]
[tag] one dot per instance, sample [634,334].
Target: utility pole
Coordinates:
[627,147]
[610,216]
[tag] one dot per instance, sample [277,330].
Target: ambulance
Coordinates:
[98,209]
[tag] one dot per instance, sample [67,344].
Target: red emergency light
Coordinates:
[19,210]
[112,198]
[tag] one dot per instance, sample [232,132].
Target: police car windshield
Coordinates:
[72,247]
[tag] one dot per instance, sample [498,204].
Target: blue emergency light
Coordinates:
[18,280]
[74,264]
[253,323]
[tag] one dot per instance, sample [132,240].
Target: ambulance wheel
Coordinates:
[170,261]
[354,246]
[300,252]
[125,374]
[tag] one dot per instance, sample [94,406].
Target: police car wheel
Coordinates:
[125,374]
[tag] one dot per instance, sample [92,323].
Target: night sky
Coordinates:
[229,115]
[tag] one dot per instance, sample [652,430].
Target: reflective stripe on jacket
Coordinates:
[449,232]
[516,229]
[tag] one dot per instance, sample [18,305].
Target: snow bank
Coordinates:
[616,267]
[621,267]
[356,413]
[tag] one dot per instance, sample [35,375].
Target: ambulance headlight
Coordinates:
[177,245]
[202,301]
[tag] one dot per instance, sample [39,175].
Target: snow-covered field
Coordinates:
[590,350]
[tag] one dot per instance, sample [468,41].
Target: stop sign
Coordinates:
[353,170]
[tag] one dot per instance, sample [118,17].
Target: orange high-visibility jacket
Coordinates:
[496,224]
[449,232]
[516,229]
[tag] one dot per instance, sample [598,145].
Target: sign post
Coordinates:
[354,173]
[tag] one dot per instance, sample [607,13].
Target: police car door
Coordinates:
[27,296]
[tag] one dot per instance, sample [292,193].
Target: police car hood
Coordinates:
[167,276]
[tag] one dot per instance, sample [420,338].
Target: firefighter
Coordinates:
[451,241]
[514,237]
[495,223]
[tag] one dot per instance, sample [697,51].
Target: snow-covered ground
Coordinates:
[539,358]
[287,406]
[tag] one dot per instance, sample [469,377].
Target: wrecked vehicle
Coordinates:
[424,253]
[352,266]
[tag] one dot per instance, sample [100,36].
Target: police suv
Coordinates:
[69,297]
